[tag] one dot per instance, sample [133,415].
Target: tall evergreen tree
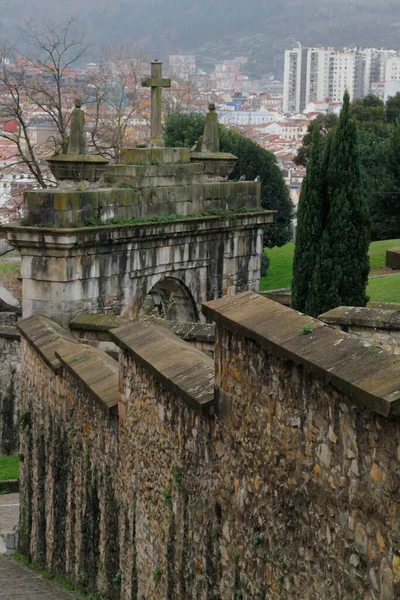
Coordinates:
[309,226]
[341,271]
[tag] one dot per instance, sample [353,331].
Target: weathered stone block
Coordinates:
[148,156]
[393,258]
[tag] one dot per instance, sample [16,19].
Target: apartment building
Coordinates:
[315,74]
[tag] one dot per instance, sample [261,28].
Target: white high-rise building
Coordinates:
[392,70]
[314,74]
[305,77]
[342,66]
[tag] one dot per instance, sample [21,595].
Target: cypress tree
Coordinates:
[341,271]
[309,226]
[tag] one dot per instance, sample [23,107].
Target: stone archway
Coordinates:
[176,300]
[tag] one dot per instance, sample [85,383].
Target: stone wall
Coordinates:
[10,366]
[377,325]
[290,490]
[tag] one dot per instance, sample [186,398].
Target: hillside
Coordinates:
[215,28]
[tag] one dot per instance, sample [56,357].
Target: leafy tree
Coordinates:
[384,178]
[369,112]
[184,129]
[255,161]
[393,108]
[324,123]
[309,227]
[341,271]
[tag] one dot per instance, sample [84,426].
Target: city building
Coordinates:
[315,75]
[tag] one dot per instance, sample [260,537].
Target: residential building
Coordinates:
[244,117]
[321,74]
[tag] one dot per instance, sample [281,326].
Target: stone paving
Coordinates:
[9,511]
[20,583]
[17,582]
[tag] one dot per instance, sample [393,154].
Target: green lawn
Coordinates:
[377,252]
[9,467]
[385,289]
[280,268]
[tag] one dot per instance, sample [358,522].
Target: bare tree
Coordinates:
[35,87]
[54,49]
[113,99]
[15,122]
[187,94]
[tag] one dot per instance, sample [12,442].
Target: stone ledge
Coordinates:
[368,375]
[180,367]
[65,239]
[10,333]
[202,332]
[96,370]
[372,318]
[384,305]
[47,337]
[94,322]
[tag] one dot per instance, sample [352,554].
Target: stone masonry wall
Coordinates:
[10,366]
[69,511]
[289,492]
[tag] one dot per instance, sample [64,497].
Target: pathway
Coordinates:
[17,582]
[20,583]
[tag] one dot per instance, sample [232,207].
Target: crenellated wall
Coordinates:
[280,484]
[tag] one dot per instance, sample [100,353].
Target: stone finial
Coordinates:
[77,143]
[211,135]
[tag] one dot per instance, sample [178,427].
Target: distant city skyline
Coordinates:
[315,73]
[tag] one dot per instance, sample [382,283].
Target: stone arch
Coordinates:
[177,301]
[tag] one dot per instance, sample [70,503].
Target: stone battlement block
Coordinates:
[393,258]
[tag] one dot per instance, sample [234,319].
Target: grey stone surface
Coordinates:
[17,582]
[76,164]
[378,325]
[210,141]
[77,143]
[9,514]
[156,82]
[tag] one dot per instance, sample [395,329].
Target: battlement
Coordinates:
[295,422]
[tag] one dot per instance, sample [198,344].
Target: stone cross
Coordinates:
[156,82]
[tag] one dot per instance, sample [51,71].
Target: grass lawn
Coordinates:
[280,268]
[385,289]
[9,467]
